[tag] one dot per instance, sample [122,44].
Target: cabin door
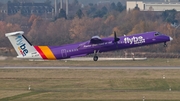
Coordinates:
[64,53]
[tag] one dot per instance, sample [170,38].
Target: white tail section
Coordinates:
[22,46]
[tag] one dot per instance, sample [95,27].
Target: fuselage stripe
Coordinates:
[47,52]
[40,52]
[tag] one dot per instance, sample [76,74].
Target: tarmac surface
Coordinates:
[161,68]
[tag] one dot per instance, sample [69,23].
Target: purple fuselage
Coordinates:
[108,44]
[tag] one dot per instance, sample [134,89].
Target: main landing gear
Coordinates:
[165,45]
[95,58]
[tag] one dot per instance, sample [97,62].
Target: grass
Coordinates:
[89,85]
[19,96]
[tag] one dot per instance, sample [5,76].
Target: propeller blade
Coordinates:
[115,37]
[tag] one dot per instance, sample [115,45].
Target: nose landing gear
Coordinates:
[165,45]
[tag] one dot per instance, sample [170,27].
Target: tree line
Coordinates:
[94,20]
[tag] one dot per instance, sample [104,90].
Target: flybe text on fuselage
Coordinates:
[22,46]
[134,40]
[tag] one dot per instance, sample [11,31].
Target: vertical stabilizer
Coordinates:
[22,46]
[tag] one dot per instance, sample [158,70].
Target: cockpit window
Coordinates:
[157,34]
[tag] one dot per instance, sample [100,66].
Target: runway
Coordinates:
[160,68]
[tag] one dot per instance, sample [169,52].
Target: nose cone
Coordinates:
[170,38]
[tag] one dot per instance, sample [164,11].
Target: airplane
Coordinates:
[94,46]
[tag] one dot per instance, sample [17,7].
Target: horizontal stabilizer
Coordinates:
[14,33]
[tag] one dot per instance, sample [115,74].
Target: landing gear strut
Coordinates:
[165,45]
[95,58]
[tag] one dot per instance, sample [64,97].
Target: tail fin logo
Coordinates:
[21,45]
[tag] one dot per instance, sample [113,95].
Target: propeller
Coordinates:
[115,39]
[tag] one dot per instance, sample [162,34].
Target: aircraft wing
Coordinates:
[96,40]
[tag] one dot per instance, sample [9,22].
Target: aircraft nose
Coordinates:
[170,38]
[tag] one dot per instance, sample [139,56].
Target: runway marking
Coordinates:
[34,67]
[91,68]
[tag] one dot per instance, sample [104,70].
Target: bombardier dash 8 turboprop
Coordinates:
[95,45]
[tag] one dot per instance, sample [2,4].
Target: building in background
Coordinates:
[150,5]
[29,8]
[58,5]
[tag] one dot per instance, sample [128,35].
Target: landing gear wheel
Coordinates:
[165,45]
[95,58]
